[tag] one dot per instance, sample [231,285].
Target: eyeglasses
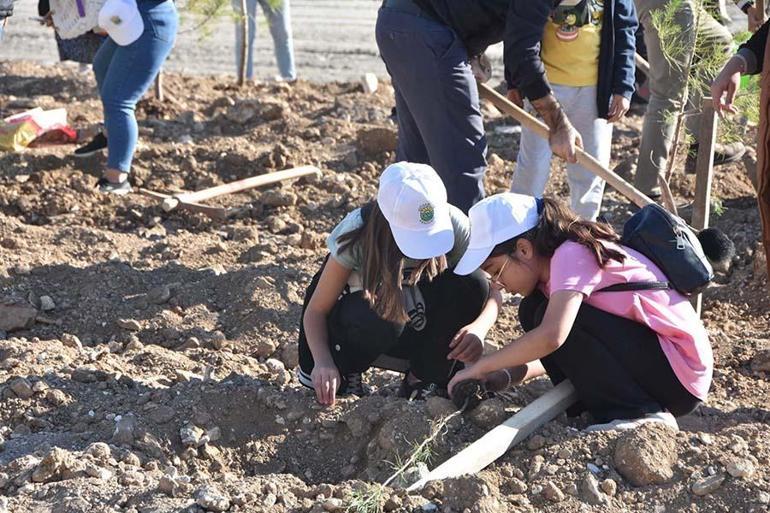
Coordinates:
[495,280]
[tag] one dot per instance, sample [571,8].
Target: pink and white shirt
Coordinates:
[668,313]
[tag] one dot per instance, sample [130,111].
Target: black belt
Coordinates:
[409,7]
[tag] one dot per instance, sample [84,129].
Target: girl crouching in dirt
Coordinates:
[641,355]
[386,292]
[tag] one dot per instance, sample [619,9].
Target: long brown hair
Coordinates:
[383,266]
[558,224]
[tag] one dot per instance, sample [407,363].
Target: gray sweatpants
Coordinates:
[533,163]
[437,101]
[667,82]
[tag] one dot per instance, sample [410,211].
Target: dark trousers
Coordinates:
[616,365]
[437,101]
[358,336]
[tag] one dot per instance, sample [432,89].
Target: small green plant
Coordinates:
[419,453]
[204,11]
[369,499]
[718,207]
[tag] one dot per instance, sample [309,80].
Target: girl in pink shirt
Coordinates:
[640,355]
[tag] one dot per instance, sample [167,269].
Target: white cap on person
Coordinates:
[413,199]
[122,20]
[494,220]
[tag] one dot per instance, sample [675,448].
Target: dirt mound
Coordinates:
[146,357]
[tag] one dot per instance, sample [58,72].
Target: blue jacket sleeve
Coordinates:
[524,27]
[626,24]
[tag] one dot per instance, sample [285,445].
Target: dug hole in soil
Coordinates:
[146,357]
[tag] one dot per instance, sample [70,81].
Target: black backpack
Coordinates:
[672,245]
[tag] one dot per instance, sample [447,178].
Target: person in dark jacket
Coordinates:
[587,50]
[427,46]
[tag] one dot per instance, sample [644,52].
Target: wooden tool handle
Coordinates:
[642,64]
[247,183]
[217,213]
[584,159]
[496,442]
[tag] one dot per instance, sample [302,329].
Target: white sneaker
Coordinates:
[663,417]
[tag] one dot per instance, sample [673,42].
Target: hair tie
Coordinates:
[540,205]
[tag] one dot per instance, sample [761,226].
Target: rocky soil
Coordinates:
[146,356]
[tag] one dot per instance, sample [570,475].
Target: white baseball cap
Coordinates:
[413,199]
[494,220]
[122,21]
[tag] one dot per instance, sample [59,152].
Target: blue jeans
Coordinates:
[279,21]
[437,102]
[124,73]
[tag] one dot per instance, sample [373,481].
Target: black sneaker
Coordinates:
[97,144]
[108,187]
[419,390]
[354,385]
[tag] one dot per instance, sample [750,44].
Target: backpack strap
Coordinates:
[636,285]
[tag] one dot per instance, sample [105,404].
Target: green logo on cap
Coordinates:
[426,213]
[116,20]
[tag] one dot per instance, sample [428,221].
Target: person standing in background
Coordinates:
[141,36]
[278,15]
[667,83]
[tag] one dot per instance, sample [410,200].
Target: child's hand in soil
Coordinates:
[467,345]
[326,381]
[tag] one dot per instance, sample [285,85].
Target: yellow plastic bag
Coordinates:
[17,132]
[17,136]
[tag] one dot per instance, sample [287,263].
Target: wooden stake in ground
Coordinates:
[704,166]
[584,159]
[159,86]
[496,442]
[704,173]
[241,185]
[244,42]
[217,213]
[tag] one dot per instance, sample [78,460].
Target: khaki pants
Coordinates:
[667,82]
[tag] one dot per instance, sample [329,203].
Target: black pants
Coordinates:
[358,336]
[616,365]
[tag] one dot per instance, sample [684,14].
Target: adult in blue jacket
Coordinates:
[525,72]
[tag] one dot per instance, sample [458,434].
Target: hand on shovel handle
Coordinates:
[563,137]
